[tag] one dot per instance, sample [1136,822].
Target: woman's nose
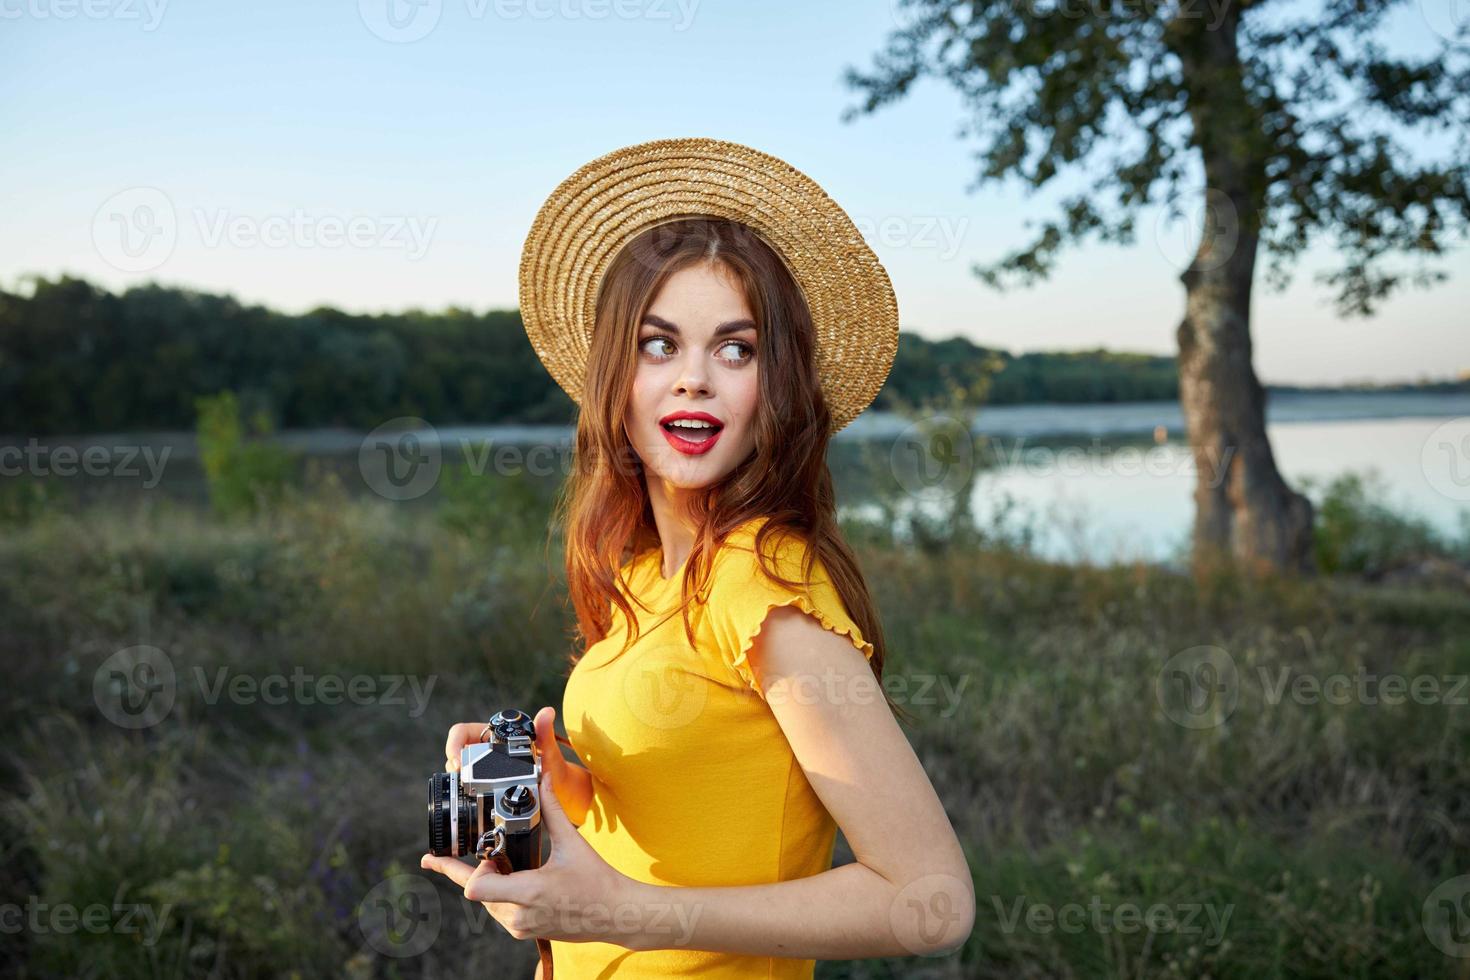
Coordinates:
[692,380]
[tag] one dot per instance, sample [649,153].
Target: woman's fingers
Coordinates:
[499,894]
[469,731]
[459,736]
[490,887]
[451,867]
[552,761]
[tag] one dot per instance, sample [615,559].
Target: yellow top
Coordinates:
[694,783]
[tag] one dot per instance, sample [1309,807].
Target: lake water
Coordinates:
[1100,482]
[1115,482]
[1123,502]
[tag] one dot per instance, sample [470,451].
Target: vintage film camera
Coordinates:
[491,806]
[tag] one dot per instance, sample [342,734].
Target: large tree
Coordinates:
[1284,121]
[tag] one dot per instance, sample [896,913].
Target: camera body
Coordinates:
[492,804]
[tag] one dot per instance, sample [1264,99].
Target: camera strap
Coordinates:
[501,860]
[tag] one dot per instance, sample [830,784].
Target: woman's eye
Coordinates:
[744,351]
[655,340]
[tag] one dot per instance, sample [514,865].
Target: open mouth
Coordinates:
[692,436]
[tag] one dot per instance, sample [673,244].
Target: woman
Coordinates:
[728,705]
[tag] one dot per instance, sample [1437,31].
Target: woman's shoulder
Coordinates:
[743,591]
[753,548]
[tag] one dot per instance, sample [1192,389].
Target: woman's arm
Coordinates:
[909,892]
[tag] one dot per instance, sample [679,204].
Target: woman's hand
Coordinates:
[572,783]
[574,897]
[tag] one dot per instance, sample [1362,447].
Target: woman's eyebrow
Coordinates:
[729,327]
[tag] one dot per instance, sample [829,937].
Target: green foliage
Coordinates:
[925,371]
[263,827]
[941,436]
[25,500]
[1216,898]
[244,474]
[75,358]
[256,920]
[1127,105]
[492,509]
[1086,376]
[1359,532]
[220,883]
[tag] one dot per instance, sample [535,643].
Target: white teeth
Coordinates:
[690,424]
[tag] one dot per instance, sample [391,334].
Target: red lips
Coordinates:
[691,446]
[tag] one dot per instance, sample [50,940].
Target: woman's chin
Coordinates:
[687,482]
[688,472]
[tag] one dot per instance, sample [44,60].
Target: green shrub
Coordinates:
[1219,899]
[495,510]
[211,882]
[1359,532]
[263,826]
[25,500]
[244,474]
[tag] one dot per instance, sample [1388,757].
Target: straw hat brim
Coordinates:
[592,214]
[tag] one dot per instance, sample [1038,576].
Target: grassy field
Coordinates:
[1116,827]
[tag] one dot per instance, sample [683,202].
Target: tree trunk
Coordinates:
[1244,511]
[1243,508]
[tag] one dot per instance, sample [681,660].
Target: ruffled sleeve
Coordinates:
[741,596]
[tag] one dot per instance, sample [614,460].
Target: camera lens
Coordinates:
[439,804]
[445,803]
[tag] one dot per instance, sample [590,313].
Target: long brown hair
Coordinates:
[604,505]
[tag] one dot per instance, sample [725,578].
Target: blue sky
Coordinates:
[295,154]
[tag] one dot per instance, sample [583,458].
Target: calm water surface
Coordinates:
[1097,482]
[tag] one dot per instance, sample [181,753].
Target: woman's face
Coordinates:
[696,356]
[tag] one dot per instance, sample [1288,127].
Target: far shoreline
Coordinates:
[1051,420]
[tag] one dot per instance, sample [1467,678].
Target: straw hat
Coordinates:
[592,214]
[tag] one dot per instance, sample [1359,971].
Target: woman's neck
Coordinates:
[675,535]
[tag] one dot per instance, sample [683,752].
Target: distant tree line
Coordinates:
[75,358]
